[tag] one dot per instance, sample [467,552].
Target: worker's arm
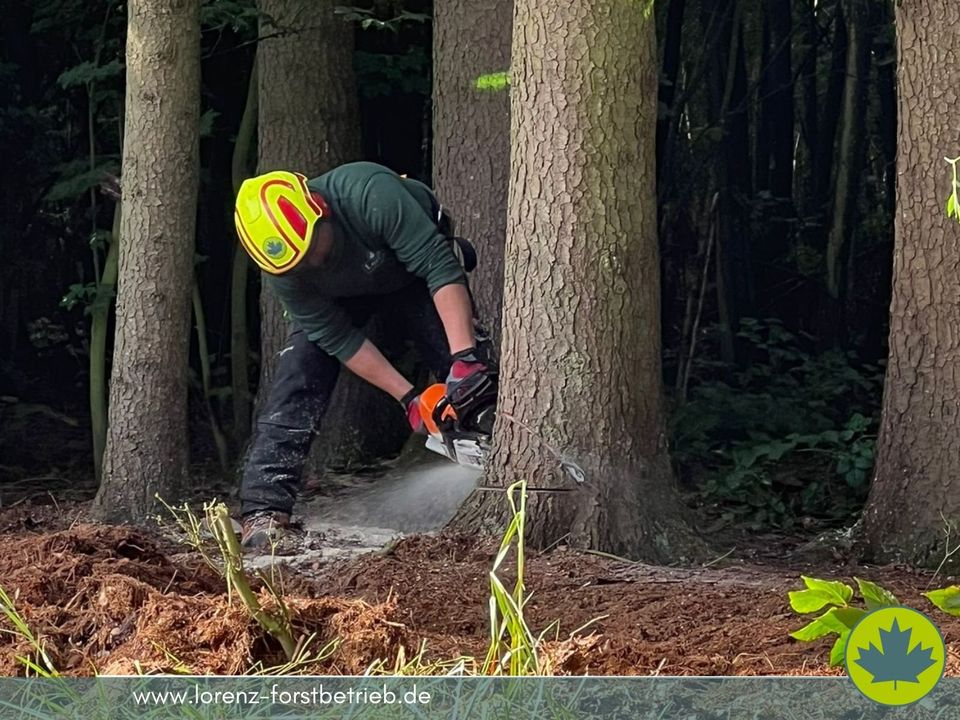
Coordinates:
[370,364]
[456,313]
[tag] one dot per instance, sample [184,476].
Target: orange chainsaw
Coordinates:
[461,428]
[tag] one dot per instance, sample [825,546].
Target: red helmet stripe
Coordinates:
[277,225]
[296,219]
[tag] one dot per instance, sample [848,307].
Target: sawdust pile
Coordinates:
[107,600]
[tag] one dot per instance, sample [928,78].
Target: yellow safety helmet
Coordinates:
[275,215]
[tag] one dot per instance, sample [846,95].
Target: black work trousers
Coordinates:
[302,385]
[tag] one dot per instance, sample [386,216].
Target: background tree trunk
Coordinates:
[779,104]
[311,127]
[146,451]
[240,166]
[471,130]
[830,117]
[669,79]
[851,152]
[731,171]
[915,494]
[308,113]
[809,43]
[581,321]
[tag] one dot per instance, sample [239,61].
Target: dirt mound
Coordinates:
[107,600]
[636,619]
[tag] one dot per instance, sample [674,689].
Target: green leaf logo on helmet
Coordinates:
[273,247]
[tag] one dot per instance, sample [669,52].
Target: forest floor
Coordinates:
[116,600]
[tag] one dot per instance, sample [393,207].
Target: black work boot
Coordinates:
[263,530]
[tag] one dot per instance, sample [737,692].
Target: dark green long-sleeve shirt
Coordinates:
[385,237]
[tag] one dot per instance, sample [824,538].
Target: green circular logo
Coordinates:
[895,655]
[273,247]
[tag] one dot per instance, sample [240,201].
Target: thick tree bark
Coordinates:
[471,135]
[580,369]
[146,451]
[915,496]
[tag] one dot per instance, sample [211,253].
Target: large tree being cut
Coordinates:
[580,373]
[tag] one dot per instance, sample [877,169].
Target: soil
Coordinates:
[115,600]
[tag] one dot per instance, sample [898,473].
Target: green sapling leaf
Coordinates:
[841,593]
[946,599]
[808,601]
[839,649]
[875,596]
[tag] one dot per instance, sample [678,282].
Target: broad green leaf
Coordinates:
[841,620]
[841,591]
[839,649]
[808,601]
[946,599]
[951,205]
[812,631]
[876,596]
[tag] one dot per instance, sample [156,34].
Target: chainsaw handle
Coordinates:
[438,410]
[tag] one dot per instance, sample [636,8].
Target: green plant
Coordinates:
[40,665]
[841,616]
[513,647]
[230,566]
[953,201]
[792,433]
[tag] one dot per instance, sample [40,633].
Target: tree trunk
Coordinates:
[764,109]
[669,77]
[830,117]
[146,451]
[915,496]
[779,110]
[471,137]
[727,110]
[239,275]
[809,112]
[884,51]
[580,369]
[851,155]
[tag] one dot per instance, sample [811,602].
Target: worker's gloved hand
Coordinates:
[411,405]
[464,370]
